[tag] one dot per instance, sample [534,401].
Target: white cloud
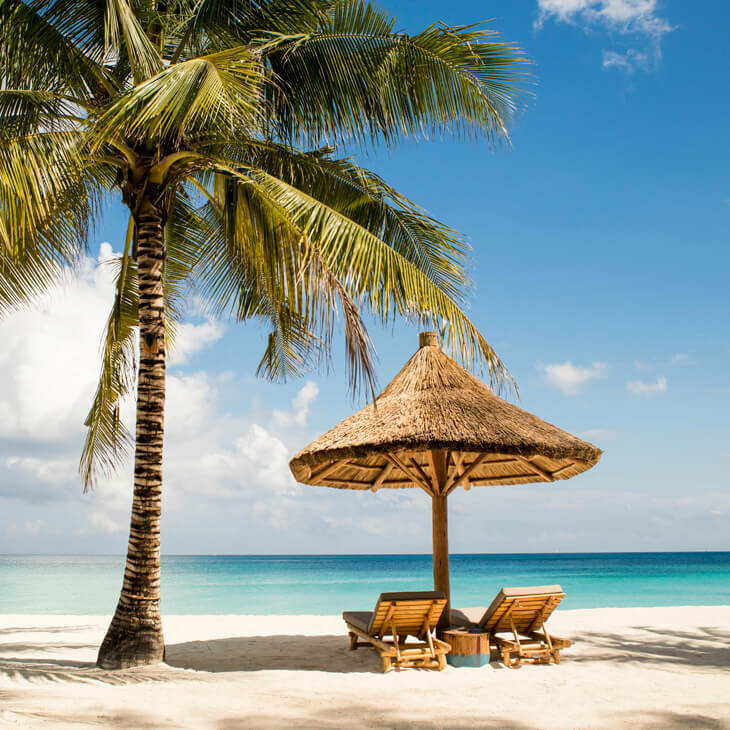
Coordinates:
[639,387]
[300,406]
[29,528]
[50,356]
[213,456]
[626,16]
[628,62]
[635,19]
[569,378]
[102,522]
[191,338]
[49,368]
[600,434]
[49,362]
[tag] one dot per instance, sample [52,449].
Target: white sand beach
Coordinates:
[629,668]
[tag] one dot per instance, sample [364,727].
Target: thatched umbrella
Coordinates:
[435,426]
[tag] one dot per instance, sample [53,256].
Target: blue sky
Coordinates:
[600,268]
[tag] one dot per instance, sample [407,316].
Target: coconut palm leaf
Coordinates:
[122,28]
[23,111]
[51,60]
[213,94]
[23,280]
[355,79]
[265,234]
[377,275]
[49,194]
[108,441]
[365,198]
[231,22]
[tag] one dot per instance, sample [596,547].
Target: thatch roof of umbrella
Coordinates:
[435,427]
[435,404]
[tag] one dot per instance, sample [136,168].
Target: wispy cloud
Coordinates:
[31,528]
[639,387]
[682,358]
[628,62]
[570,378]
[599,434]
[636,20]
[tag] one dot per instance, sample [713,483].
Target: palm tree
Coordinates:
[217,122]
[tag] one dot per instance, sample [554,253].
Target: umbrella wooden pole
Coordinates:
[441,554]
[440,532]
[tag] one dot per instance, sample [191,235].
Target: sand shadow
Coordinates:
[668,720]
[67,670]
[352,716]
[43,629]
[355,716]
[659,646]
[258,653]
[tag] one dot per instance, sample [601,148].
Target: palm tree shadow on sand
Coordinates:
[704,647]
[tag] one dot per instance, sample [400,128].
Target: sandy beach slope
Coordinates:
[629,668]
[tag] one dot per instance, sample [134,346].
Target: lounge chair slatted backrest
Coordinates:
[398,616]
[411,613]
[521,606]
[523,612]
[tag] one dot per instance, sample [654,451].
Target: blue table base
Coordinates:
[474,660]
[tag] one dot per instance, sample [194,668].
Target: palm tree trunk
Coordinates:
[135,636]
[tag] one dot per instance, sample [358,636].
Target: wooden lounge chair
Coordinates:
[399,615]
[523,612]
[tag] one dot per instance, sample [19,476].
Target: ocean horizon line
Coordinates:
[379,555]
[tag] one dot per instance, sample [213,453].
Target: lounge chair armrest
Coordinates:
[384,646]
[441,644]
[505,643]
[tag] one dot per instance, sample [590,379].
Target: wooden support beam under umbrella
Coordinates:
[437,427]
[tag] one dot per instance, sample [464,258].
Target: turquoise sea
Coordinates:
[327,584]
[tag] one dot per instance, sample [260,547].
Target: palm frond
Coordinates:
[24,279]
[354,79]
[221,23]
[364,197]
[36,54]
[107,440]
[24,111]
[49,193]
[269,237]
[122,25]
[378,276]
[215,94]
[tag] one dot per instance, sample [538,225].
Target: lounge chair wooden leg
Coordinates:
[556,656]
[353,641]
[387,663]
[442,661]
[506,658]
